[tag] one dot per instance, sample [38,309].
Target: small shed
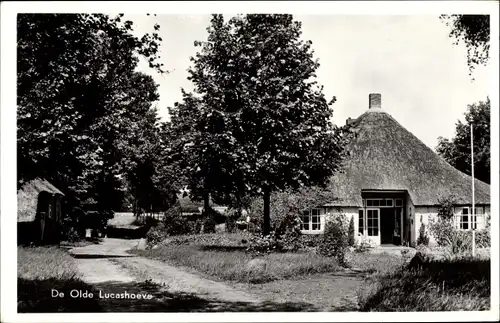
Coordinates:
[39,215]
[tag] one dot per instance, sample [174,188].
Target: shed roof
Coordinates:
[27,198]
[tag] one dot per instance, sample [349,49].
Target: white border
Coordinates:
[8,145]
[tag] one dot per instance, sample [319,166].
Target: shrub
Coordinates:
[442,230]
[261,245]
[155,235]
[231,216]
[174,223]
[351,232]
[423,238]
[335,241]
[483,238]
[208,223]
[310,240]
[459,242]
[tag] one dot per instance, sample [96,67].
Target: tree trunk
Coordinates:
[266,224]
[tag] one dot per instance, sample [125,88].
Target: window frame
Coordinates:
[368,226]
[471,221]
[310,214]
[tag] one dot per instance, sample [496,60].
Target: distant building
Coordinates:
[391,182]
[39,216]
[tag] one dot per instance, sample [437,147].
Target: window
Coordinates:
[311,220]
[464,219]
[361,222]
[379,202]
[372,222]
[399,202]
[467,220]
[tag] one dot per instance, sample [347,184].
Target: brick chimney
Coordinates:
[375,101]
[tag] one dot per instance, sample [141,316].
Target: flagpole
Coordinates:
[474,220]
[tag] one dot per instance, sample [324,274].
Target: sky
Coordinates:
[409,59]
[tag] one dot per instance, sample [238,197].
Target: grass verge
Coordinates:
[40,270]
[461,284]
[223,257]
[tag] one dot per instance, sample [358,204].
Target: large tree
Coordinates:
[474,31]
[264,123]
[457,150]
[77,95]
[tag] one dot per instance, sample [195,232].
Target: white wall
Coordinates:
[428,213]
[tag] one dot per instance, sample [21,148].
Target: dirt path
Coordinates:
[111,270]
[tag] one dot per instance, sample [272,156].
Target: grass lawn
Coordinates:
[442,285]
[222,256]
[43,269]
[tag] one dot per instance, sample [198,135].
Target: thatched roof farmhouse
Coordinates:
[391,182]
[39,212]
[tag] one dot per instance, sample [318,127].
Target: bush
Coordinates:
[174,223]
[231,216]
[483,238]
[261,245]
[335,241]
[442,230]
[423,238]
[155,235]
[310,240]
[460,242]
[208,222]
[351,241]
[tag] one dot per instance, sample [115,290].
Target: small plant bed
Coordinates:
[459,284]
[223,256]
[41,270]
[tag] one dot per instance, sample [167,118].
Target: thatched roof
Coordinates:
[386,156]
[27,198]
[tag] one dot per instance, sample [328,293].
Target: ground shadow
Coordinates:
[98,256]
[36,297]
[126,233]
[164,300]
[222,248]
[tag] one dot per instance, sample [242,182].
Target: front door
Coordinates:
[387,223]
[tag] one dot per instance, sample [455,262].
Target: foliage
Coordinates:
[175,223]
[257,115]
[155,235]
[474,31]
[260,244]
[232,215]
[335,240]
[446,207]
[457,151]
[351,233]
[483,238]
[443,285]
[441,229]
[79,96]
[423,237]
[287,206]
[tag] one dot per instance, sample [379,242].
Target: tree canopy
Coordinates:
[474,31]
[79,101]
[259,122]
[457,150]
